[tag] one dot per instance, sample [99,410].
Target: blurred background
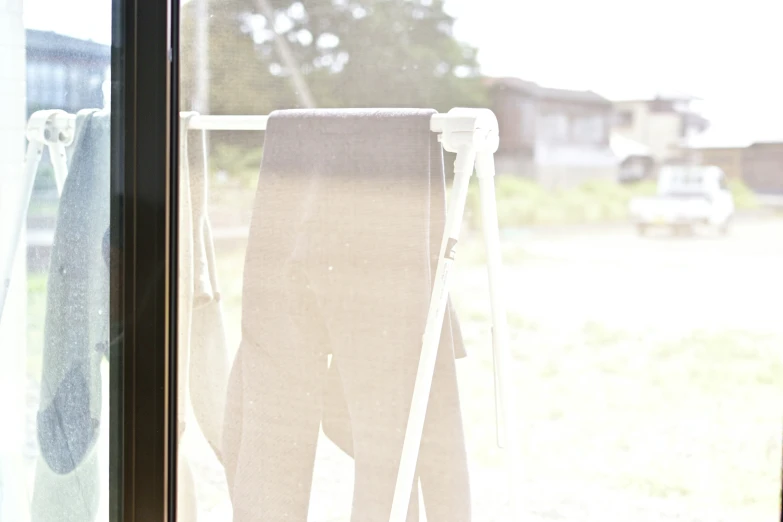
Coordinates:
[646,332]
[591,93]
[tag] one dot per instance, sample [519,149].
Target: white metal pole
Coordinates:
[219,122]
[504,393]
[463,168]
[201,43]
[485,172]
[17,223]
[59,161]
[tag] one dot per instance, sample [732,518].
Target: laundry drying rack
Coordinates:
[470,133]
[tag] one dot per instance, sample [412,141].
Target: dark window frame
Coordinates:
[144,202]
[624,118]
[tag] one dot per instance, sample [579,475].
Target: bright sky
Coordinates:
[726,52]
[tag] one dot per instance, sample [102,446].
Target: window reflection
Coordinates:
[54,320]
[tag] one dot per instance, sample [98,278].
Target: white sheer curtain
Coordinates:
[13,326]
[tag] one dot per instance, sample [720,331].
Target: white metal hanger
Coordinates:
[473,135]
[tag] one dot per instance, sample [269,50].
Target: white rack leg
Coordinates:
[59,161]
[485,171]
[14,468]
[502,359]
[32,160]
[463,168]
[14,506]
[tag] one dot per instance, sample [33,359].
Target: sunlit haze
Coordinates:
[723,52]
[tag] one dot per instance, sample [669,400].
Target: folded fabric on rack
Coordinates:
[76,333]
[340,260]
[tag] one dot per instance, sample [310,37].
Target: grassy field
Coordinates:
[520,202]
[617,423]
[36,316]
[624,424]
[523,202]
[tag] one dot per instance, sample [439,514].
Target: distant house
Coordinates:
[728,158]
[64,72]
[635,162]
[758,164]
[663,123]
[556,136]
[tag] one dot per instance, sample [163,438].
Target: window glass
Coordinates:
[624,118]
[32,82]
[589,130]
[645,384]
[75,87]
[60,87]
[55,251]
[554,127]
[528,124]
[47,89]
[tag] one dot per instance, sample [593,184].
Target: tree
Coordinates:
[239,76]
[352,53]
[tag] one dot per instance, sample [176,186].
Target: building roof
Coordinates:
[696,145]
[650,95]
[565,94]
[50,43]
[547,93]
[512,84]
[767,143]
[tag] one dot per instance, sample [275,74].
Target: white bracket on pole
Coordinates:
[473,135]
[54,129]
